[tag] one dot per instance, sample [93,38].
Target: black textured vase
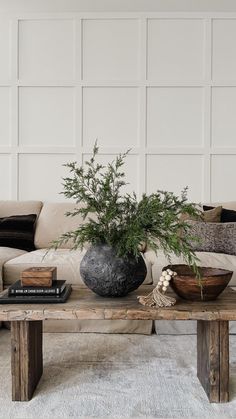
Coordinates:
[109,275]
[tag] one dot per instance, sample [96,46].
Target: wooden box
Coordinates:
[39,276]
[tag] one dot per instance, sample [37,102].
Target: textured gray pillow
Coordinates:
[214,237]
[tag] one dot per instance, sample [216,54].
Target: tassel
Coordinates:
[157,297]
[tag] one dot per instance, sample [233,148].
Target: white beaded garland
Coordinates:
[164,280]
[157,297]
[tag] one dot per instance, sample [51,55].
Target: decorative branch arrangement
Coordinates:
[120,219]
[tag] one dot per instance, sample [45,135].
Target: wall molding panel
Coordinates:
[162,84]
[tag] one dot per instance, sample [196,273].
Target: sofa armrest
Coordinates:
[1,277]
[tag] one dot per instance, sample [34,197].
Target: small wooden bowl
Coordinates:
[186,285]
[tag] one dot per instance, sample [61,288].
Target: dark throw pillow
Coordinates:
[227,216]
[17,231]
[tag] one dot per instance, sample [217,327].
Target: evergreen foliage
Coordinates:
[121,220]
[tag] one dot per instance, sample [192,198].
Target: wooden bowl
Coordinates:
[186,285]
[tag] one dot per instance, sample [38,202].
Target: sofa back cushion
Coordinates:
[231,205]
[227,215]
[8,208]
[53,222]
[211,216]
[214,237]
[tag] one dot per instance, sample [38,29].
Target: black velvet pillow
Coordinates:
[17,231]
[227,216]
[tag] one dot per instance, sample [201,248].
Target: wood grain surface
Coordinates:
[40,272]
[38,276]
[213,359]
[83,304]
[36,282]
[26,358]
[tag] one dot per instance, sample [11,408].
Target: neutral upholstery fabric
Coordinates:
[175,327]
[67,262]
[7,253]
[227,216]
[183,327]
[211,216]
[8,208]
[214,237]
[215,260]
[143,327]
[227,205]
[53,222]
[206,259]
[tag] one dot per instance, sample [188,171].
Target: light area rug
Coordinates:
[115,376]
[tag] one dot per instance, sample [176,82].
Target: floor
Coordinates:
[115,376]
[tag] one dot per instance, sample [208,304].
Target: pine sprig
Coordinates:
[122,221]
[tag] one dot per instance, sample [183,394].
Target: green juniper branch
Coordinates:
[122,221]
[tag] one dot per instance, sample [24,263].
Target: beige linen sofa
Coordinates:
[50,224]
[215,260]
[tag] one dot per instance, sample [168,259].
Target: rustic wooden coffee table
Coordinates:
[212,333]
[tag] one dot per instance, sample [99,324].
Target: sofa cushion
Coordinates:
[183,327]
[143,327]
[7,253]
[53,222]
[231,205]
[214,260]
[17,231]
[227,216]
[211,216]
[175,327]
[67,263]
[8,208]
[214,237]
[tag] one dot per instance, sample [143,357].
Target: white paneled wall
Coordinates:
[175,49]
[162,84]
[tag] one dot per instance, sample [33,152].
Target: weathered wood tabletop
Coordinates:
[212,333]
[84,304]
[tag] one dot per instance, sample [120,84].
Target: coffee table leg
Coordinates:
[213,359]
[26,358]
